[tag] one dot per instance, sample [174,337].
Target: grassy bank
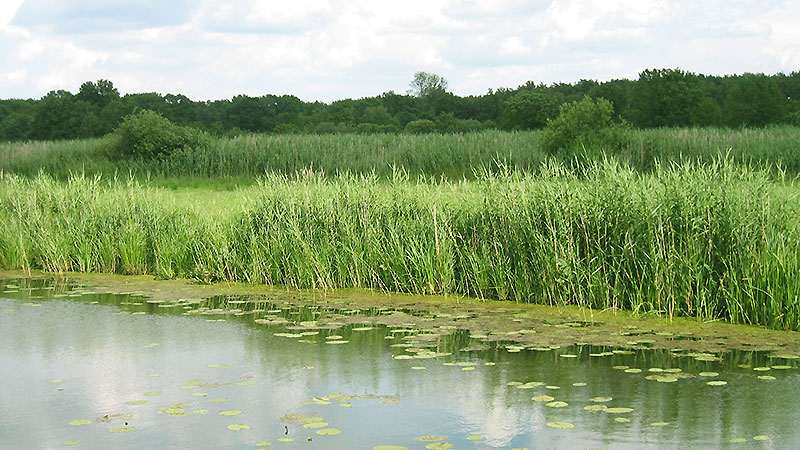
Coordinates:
[712,241]
[452,155]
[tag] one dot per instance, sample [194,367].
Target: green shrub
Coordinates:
[586,124]
[420,126]
[148,134]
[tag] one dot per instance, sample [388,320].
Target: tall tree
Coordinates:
[529,108]
[425,83]
[98,94]
[54,116]
[755,100]
[668,97]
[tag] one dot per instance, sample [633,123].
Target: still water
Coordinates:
[82,370]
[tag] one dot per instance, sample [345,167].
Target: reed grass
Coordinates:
[450,155]
[715,241]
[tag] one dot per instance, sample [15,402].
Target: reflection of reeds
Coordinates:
[453,155]
[713,241]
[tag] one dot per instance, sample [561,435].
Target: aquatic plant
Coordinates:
[710,240]
[450,155]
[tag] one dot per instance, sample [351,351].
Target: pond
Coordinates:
[87,370]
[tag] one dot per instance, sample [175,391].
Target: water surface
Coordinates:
[82,370]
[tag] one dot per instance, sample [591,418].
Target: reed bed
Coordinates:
[450,155]
[714,241]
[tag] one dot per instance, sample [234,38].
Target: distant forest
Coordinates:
[658,98]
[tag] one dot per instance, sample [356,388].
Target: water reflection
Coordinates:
[101,346]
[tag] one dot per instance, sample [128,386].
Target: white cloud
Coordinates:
[784,38]
[8,8]
[332,49]
[514,46]
[581,20]
[14,76]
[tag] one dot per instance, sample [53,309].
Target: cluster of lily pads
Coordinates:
[409,341]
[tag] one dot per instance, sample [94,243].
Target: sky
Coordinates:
[328,50]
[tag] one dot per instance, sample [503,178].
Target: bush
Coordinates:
[148,134]
[420,126]
[587,124]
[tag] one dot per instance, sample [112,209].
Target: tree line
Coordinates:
[658,98]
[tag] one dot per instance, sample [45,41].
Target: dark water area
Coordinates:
[91,371]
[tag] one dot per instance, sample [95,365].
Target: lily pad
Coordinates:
[708,374]
[79,422]
[475,437]
[238,426]
[633,370]
[233,412]
[659,424]
[121,429]
[285,439]
[529,385]
[622,420]
[542,398]
[579,384]
[430,438]
[315,425]
[761,437]
[601,399]
[329,431]
[618,410]
[717,383]
[439,446]
[58,380]
[152,393]
[219,400]
[561,425]
[68,443]
[263,444]
[595,408]
[174,411]
[557,404]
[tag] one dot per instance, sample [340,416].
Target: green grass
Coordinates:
[715,241]
[453,155]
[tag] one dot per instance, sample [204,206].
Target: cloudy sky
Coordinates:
[333,49]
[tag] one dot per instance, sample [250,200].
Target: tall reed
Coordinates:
[451,155]
[708,240]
